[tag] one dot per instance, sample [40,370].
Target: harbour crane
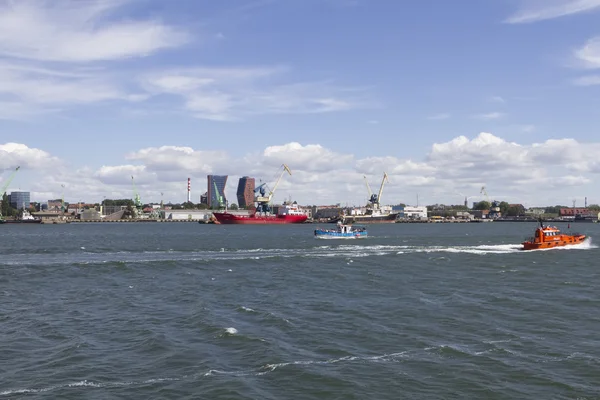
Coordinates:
[137,201]
[494,207]
[5,186]
[263,199]
[375,198]
[62,200]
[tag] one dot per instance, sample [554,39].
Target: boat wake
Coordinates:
[338,250]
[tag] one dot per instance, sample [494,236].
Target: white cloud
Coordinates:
[13,155]
[49,51]
[78,31]
[312,157]
[497,99]
[529,173]
[182,159]
[223,94]
[540,10]
[439,116]
[56,55]
[588,55]
[490,116]
[124,174]
[589,80]
[49,87]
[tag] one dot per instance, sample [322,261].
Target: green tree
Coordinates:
[512,211]
[201,206]
[234,206]
[188,205]
[482,205]
[504,206]
[594,207]
[5,205]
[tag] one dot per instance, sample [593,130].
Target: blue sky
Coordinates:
[91,92]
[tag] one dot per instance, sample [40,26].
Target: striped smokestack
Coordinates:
[189,194]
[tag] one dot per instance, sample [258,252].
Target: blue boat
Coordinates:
[342,231]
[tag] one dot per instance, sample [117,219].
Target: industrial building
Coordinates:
[216,191]
[245,192]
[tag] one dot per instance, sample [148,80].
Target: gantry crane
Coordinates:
[5,187]
[263,199]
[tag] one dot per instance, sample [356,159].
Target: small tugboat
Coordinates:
[342,232]
[25,218]
[546,237]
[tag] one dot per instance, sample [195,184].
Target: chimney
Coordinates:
[586,202]
[189,192]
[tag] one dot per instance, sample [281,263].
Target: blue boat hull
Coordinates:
[323,234]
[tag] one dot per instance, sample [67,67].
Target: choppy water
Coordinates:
[190,311]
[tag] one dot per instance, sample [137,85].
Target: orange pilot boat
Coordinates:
[547,237]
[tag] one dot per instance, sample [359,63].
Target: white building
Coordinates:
[413,212]
[193,215]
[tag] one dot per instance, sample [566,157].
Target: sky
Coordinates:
[447,97]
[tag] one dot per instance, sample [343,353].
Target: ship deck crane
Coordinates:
[137,201]
[5,186]
[264,199]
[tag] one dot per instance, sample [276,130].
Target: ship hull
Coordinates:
[326,234]
[369,219]
[558,243]
[9,221]
[227,218]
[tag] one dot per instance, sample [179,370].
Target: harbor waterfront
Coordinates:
[430,311]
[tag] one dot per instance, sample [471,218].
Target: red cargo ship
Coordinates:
[287,213]
[290,214]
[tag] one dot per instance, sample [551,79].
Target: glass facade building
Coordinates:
[216,191]
[245,192]
[19,200]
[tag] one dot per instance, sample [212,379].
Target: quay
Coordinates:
[118,221]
